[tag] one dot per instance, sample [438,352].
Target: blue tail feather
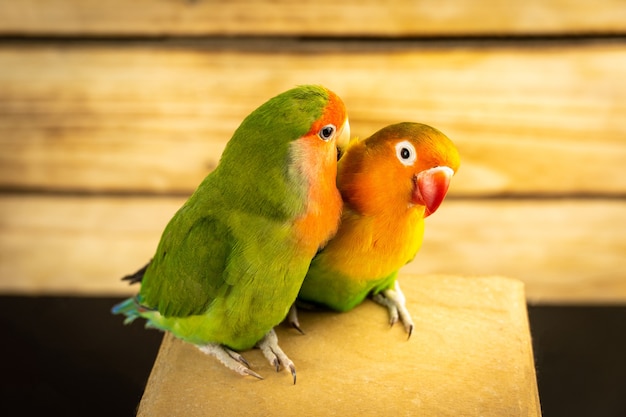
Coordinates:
[129,307]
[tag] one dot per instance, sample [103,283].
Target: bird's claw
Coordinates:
[236,362]
[275,355]
[395,302]
[292,368]
[231,359]
[250,372]
[292,318]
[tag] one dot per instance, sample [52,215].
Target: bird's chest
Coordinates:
[394,243]
[375,247]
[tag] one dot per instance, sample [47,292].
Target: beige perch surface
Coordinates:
[470,354]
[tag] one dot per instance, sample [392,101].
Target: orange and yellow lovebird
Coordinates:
[389,183]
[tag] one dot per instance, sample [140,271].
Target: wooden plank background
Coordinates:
[112,113]
[371,18]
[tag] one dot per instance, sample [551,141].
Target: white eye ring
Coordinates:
[327,132]
[405,151]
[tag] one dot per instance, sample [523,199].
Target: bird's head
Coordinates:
[401,166]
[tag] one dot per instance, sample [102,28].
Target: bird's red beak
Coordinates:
[430,188]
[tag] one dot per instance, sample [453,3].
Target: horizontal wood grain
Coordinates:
[564,250]
[154,118]
[320,18]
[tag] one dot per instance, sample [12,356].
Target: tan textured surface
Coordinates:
[470,355]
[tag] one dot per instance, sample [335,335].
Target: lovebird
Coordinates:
[232,259]
[389,183]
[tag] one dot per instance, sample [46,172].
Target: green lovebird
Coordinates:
[231,261]
[389,183]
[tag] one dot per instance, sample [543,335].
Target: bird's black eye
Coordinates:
[327,132]
[405,151]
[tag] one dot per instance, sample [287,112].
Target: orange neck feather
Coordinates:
[323,203]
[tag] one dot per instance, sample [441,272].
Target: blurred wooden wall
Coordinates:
[112,112]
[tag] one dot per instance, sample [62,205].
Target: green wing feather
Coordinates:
[185,274]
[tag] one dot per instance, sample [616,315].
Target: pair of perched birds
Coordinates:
[280,218]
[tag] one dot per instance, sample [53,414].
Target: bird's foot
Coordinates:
[274,354]
[292,318]
[231,359]
[395,302]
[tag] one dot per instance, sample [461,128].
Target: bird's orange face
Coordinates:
[330,133]
[315,156]
[400,167]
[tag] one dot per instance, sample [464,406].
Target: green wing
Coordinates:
[186,273]
[215,253]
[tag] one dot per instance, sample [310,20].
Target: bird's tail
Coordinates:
[137,276]
[130,308]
